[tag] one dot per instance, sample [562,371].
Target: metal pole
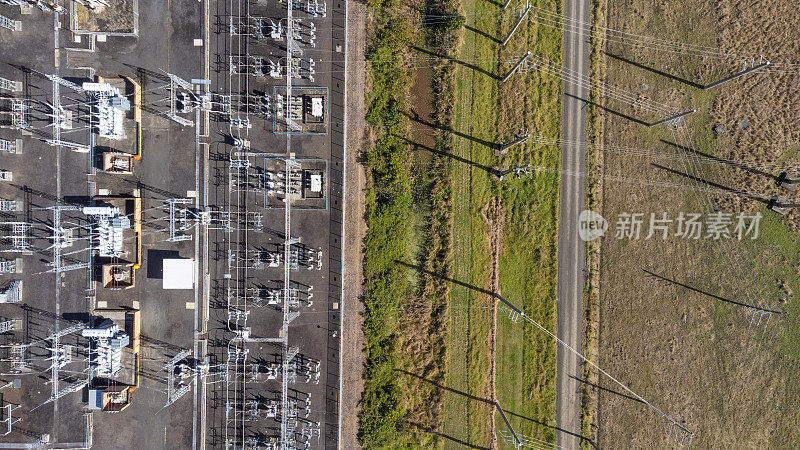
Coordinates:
[670,118]
[735,76]
[517,443]
[516,66]
[518,140]
[521,18]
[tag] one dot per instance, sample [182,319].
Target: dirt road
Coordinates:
[352,367]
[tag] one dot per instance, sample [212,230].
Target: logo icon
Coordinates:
[591,225]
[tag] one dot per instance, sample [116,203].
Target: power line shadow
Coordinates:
[463,63]
[488,169]
[417,118]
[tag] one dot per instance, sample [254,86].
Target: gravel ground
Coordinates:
[352,370]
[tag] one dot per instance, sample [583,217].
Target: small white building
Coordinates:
[178,274]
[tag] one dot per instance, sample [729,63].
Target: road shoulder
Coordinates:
[352,367]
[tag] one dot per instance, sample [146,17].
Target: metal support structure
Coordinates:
[736,75]
[9,85]
[10,205]
[13,25]
[8,418]
[173,393]
[672,119]
[179,219]
[10,325]
[521,18]
[8,266]
[19,236]
[516,66]
[67,268]
[515,439]
[289,352]
[74,387]
[519,138]
[788,183]
[176,82]
[14,146]
[18,113]
[65,83]
[74,146]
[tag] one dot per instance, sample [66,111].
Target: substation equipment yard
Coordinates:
[170,223]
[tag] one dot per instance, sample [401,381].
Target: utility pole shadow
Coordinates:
[463,63]
[493,404]
[704,87]
[735,192]
[461,283]
[483,33]
[611,391]
[655,71]
[448,437]
[708,294]
[417,146]
[417,118]
[727,162]
[608,110]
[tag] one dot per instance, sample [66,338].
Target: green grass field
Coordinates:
[428,212]
[486,111]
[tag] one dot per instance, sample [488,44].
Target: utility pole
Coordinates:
[519,138]
[787,183]
[516,66]
[515,439]
[671,118]
[737,75]
[521,18]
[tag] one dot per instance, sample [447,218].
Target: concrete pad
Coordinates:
[178,274]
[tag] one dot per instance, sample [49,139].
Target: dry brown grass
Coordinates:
[691,355]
